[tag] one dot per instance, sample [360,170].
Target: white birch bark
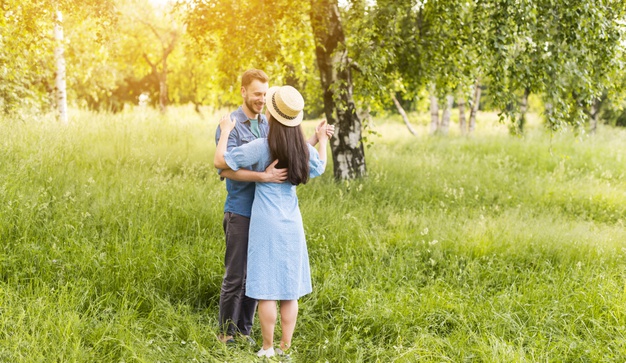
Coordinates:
[403,114]
[474,111]
[60,82]
[595,115]
[434,111]
[521,123]
[445,117]
[339,107]
[462,122]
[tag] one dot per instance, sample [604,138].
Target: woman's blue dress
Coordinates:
[278,262]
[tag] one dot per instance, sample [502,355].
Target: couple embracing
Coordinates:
[263,158]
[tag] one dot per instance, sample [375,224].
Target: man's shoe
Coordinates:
[228,341]
[248,339]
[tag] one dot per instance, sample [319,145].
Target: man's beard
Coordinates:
[251,105]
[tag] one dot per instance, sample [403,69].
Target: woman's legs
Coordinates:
[288,317]
[267,318]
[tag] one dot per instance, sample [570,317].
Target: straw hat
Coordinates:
[285,104]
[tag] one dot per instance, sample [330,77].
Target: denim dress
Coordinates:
[278,261]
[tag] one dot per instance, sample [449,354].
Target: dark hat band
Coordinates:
[278,110]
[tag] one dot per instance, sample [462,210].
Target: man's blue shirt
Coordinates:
[241,194]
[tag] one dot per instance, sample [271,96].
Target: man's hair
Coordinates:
[252,74]
[287,144]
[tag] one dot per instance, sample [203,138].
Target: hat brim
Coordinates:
[270,106]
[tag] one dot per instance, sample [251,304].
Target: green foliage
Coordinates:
[273,36]
[406,46]
[24,78]
[570,54]
[93,70]
[193,79]
[27,46]
[488,248]
[566,51]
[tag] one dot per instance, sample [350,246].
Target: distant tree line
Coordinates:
[349,61]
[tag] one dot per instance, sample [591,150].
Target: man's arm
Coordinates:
[270,175]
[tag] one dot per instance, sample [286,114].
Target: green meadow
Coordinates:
[489,248]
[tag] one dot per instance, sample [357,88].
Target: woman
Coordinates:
[278,263]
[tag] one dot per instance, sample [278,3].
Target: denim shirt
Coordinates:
[241,194]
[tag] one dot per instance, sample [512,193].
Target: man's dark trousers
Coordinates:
[236,309]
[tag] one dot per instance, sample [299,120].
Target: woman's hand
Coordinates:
[226,124]
[322,127]
[324,131]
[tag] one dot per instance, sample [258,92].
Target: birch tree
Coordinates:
[317,25]
[421,44]
[434,111]
[403,114]
[32,52]
[474,109]
[445,117]
[60,85]
[336,80]
[561,50]
[462,120]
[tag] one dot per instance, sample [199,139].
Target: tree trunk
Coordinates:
[474,110]
[548,109]
[60,82]
[336,80]
[196,107]
[434,111]
[462,122]
[521,122]
[169,40]
[403,114]
[163,90]
[162,77]
[594,116]
[445,117]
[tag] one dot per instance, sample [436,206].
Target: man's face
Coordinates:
[254,96]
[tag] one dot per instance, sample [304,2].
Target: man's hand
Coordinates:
[324,131]
[323,126]
[274,175]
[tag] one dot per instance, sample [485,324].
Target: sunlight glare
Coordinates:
[161,3]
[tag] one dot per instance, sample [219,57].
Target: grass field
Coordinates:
[491,248]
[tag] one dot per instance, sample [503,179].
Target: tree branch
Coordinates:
[152,65]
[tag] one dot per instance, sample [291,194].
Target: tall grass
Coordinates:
[490,248]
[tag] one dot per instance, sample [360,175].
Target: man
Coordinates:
[236,310]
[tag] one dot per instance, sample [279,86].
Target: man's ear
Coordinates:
[243,91]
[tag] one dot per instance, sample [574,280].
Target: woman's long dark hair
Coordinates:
[287,144]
